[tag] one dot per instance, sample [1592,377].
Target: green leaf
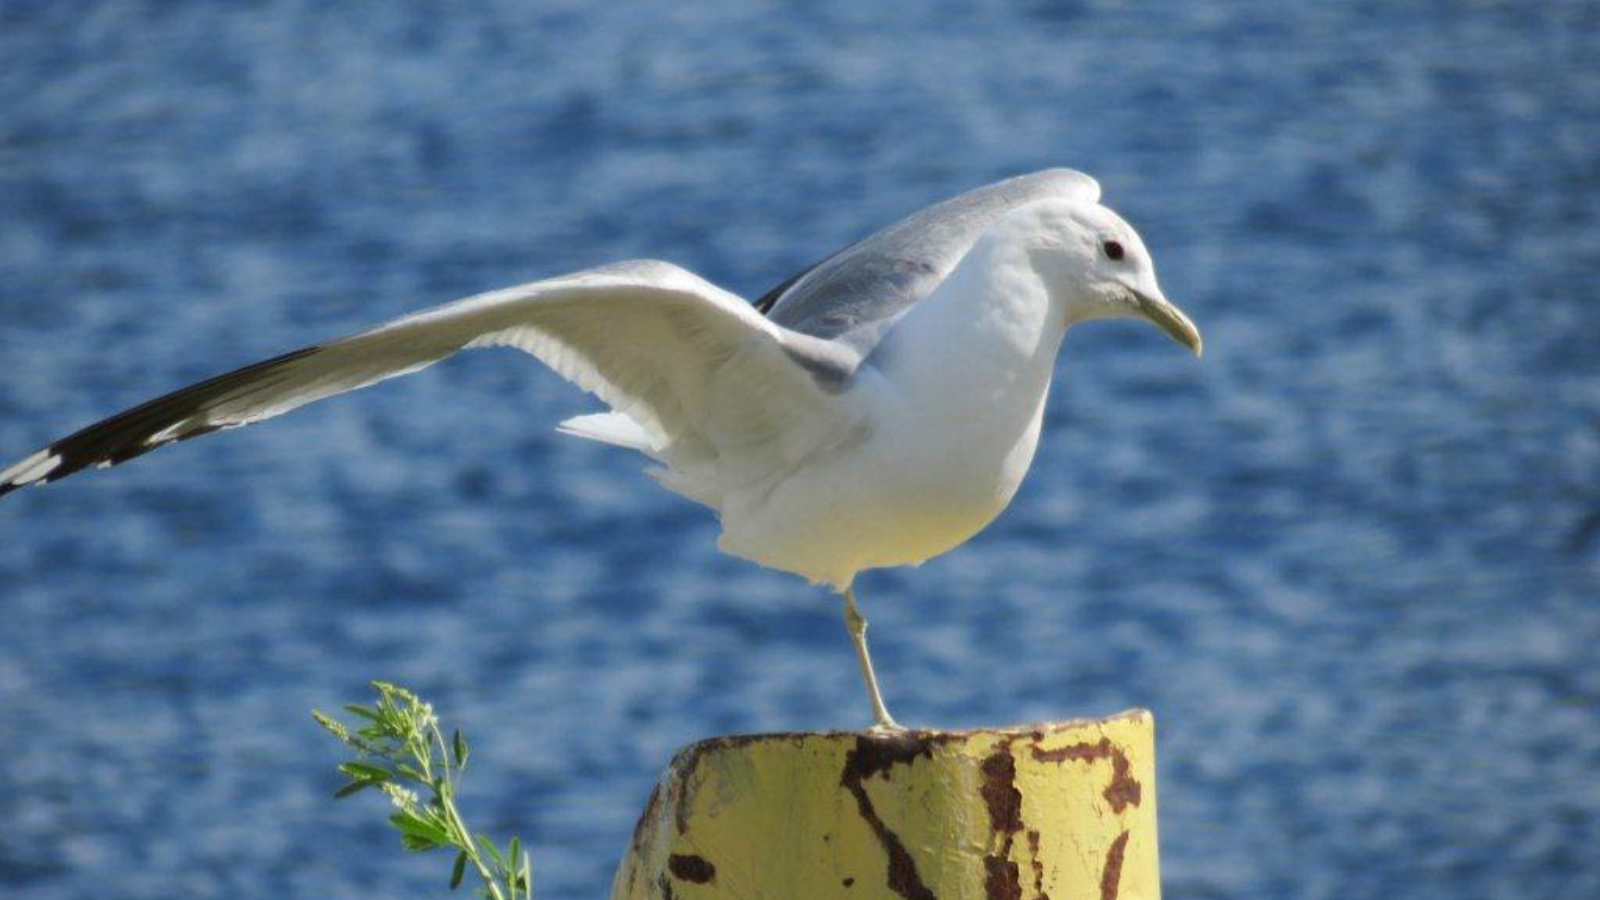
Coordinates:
[352,788]
[365,771]
[459,871]
[524,874]
[460,742]
[363,711]
[493,851]
[415,844]
[513,853]
[411,826]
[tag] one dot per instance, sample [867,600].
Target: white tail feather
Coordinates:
[612,428]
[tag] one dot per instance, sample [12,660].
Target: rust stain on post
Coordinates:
[1002,879]
[689,867]
[871,756]
[1123,791]
[1111,875]
[1038,867]
[1000,792]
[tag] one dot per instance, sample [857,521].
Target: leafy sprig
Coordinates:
[398,742]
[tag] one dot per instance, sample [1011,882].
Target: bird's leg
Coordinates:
[857,624]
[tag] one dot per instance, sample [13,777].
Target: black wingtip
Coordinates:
[131,433]
[36,468]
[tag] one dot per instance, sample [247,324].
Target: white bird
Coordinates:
[877,409]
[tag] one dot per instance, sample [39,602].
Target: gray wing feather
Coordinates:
[855,295]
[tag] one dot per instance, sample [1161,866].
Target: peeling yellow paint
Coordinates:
[1059,811]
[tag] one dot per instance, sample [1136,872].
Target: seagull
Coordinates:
[877,409]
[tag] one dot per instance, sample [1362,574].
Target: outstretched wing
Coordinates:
[855,295]
[697,368]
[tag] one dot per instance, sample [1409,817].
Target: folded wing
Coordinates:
[699,371]
[857,294]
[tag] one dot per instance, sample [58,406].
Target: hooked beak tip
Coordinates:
[1170,319]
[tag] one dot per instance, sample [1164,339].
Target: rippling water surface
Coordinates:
[1351,560]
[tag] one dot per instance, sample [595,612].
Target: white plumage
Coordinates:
[876,410]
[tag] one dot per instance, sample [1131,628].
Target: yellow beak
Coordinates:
[1170,319]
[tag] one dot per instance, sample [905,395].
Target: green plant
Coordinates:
[398,742]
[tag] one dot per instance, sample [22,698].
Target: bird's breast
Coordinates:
[954,470]
[950,405]
[922,481]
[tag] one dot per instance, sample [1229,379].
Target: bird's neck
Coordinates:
[985,340]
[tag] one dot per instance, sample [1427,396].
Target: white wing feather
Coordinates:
[699,371]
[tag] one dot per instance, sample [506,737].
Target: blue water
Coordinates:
[1351,559]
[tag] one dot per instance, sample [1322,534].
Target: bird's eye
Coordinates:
[1113,249]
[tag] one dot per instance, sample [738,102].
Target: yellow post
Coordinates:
[1059,811]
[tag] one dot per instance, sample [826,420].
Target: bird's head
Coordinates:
[1095,266]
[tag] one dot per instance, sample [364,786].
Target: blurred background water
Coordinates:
[1350,559]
